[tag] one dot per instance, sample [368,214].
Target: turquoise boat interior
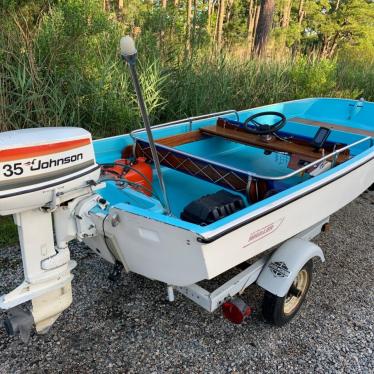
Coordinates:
[312,140]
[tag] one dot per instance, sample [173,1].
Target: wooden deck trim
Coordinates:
[331,126]
[184,138]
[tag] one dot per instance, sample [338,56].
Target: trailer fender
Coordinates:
[285,263]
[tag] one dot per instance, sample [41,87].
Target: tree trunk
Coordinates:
[216,25]
[188,29]
[172,29]
[250,19]
[330,47]
[301,11]
[229,9]
[333,49]
[221,16]
[256,16]
[120,4]
[209,20]
[286,13]
[250,24]
[194,18]
[285,23]
[327,44]
[162,32]
[323,53]
[264,26]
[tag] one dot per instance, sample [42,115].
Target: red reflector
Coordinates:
[236,310]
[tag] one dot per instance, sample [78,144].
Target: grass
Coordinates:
[8,232]
[104,103]
[67,72]
[213,84]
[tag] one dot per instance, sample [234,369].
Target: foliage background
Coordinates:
[59,61]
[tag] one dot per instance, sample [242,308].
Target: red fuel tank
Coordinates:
[139,173]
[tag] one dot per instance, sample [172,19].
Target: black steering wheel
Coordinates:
[254,127]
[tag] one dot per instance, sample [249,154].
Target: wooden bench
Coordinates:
[274,145]
[223,129]
[298,147]
[331,126]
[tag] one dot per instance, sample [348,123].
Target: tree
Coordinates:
[252,20]
[188,28]
[209,19]
[286,13]
[332,25]
[194,20]
[301,11]
[264,26]
[221,16]
[162,33]
[229,6]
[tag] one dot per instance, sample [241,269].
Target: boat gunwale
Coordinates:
[259,176]
[277,203]
[210,234]
[209,239]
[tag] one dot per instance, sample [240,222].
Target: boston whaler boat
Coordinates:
[185,201]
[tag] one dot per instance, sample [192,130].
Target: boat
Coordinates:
[185,201]
[286,184]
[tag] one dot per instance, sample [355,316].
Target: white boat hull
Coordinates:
[180,257]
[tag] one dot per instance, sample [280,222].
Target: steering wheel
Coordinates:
[254,127]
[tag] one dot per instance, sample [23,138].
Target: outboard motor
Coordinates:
[46,172]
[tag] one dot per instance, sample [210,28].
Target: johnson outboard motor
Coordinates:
[45,172]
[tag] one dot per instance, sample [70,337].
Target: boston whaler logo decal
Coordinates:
[263,231]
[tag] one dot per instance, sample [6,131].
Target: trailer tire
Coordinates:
[280,310]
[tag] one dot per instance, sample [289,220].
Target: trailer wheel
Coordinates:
[280,310]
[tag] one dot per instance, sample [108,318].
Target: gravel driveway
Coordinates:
[129,327]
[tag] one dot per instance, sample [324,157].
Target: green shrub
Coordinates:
[313,76]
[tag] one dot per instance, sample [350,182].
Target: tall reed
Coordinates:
[65,71]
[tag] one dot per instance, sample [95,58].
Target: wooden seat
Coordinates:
[274,145]
[296,147]
[224,129]
[179,139]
